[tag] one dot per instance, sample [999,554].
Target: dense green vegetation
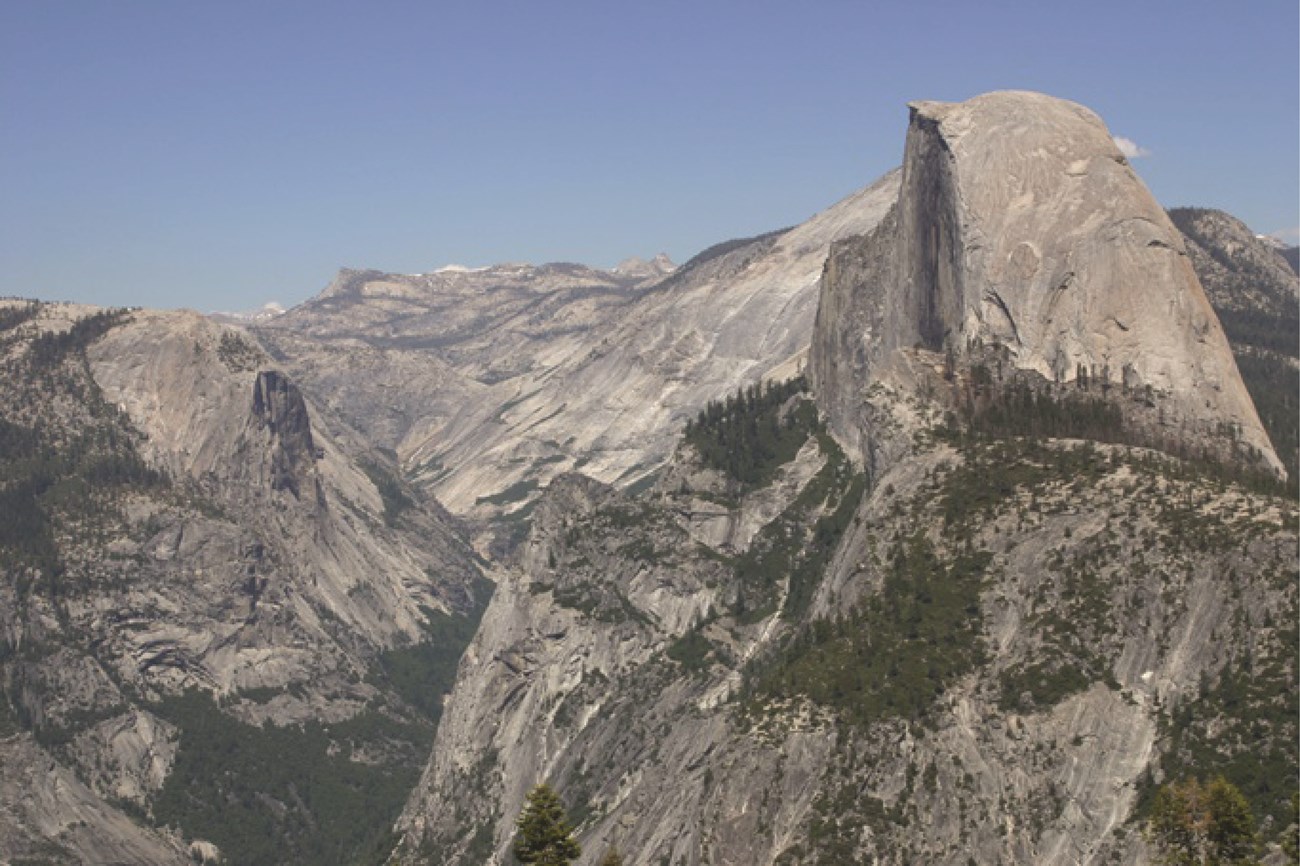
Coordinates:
[1044,683]
[422,673]
[545,834]
[50,348]
[286,795]
[1015,409]
[238,353]
[1274,386]
[693,651]
[748,437]
[314,793]
[394,496]
[1261,330]
[788,552]
[1243,726]
[1203,825]
[57,470]
[992,471]
[899,649]
[13,316]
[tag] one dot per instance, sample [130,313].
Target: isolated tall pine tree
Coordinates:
[545,835]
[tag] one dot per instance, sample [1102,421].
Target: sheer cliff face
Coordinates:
[1020,224]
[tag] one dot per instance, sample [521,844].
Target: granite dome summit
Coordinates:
[1020,224]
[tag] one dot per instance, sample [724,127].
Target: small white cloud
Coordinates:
[1130,148]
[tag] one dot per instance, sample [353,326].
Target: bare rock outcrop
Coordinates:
[51,816]
[1240,272]
[216,414]
[1020,224]
[280,410]
[223,552]
[1097,630]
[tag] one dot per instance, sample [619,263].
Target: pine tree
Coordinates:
[1231,834]
[1291,836]
[612,858]
[1202,825]
[545,835]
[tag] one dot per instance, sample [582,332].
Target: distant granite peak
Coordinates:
[660,266]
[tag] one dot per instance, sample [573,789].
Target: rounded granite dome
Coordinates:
[1020,223]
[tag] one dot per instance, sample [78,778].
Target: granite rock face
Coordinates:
[1240,272]
[211,530]
[1019,224]
[279,408]
[615,663]
[686,665]
[648,652]
[217,415]
[489,383]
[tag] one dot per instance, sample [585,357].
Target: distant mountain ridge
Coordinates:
[489,384]
[1292,256]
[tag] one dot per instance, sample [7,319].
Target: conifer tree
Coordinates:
[1291,836]
[1203,825]
[612,857]
[545,834]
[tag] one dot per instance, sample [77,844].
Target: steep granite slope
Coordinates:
[1020,225]
[214,413]
[1241,273]
[207,586]
[986,639]
[227,621]
[993,655]
[1257,296]
[488,384]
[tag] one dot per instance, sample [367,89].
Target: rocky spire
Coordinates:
[279,408]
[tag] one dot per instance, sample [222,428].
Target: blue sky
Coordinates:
[220,155]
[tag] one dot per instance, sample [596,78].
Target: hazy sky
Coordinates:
[218,155]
